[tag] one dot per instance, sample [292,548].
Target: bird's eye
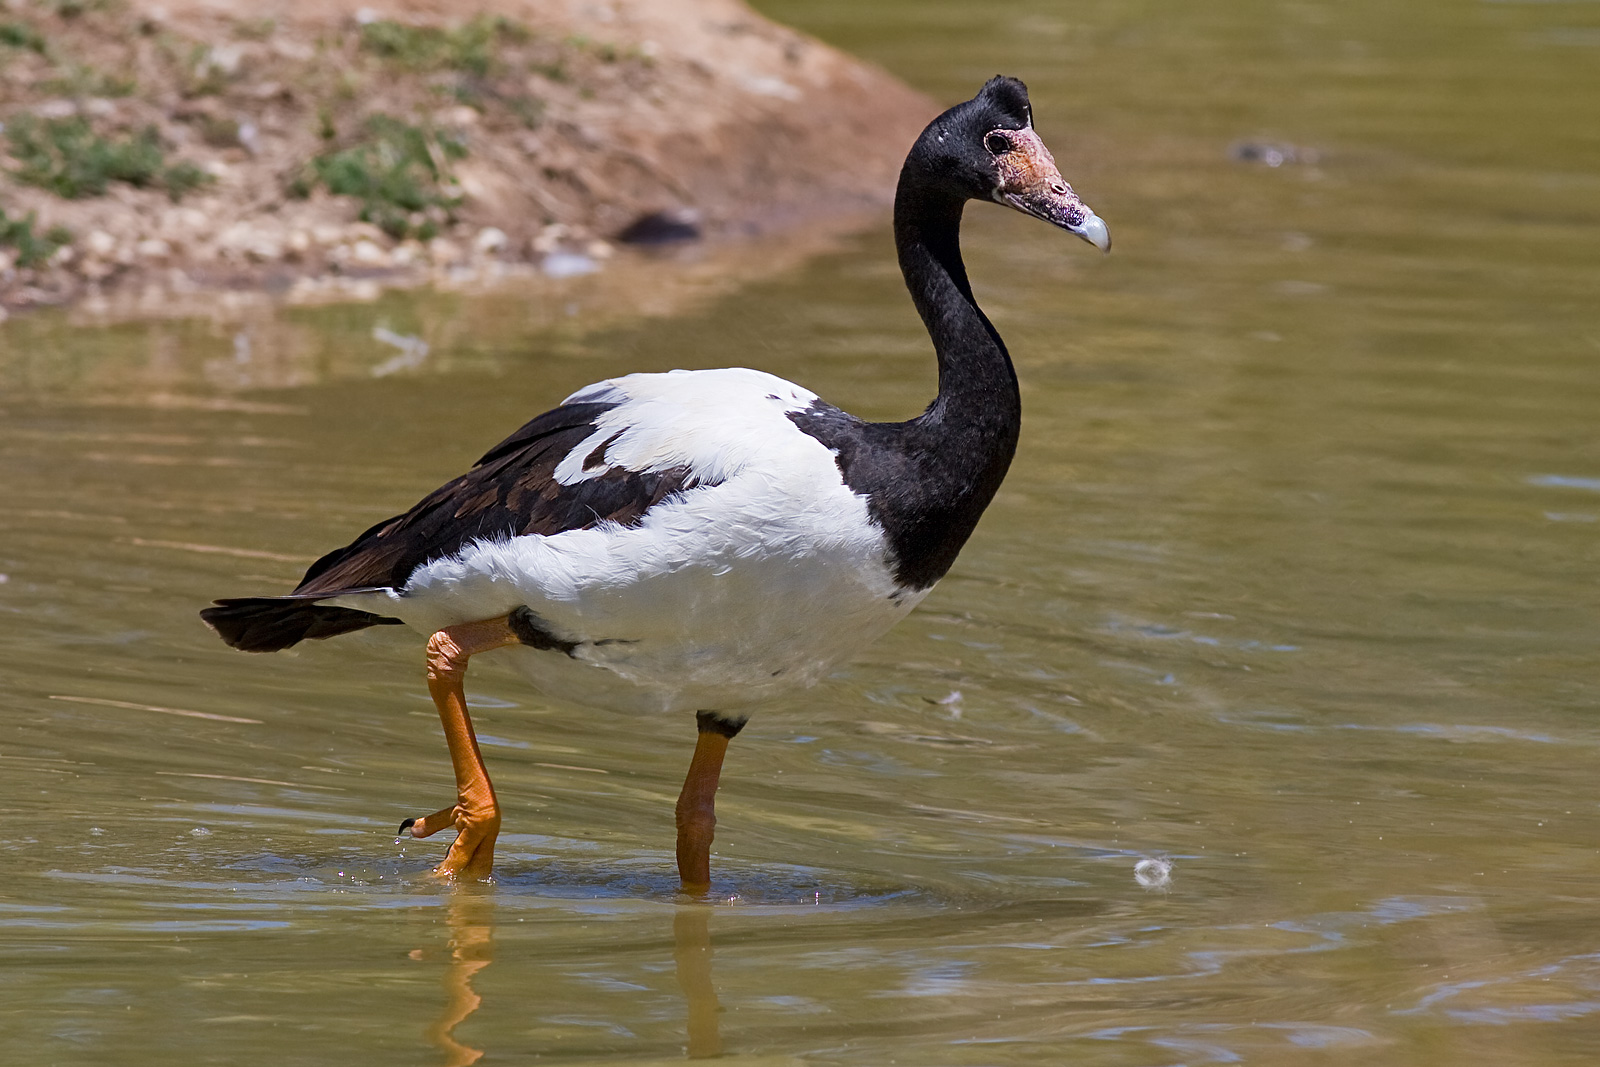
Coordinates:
[996,143]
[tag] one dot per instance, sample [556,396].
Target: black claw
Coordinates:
[717,723]
[406,825]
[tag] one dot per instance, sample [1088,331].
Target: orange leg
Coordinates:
[475,814]
[697,811]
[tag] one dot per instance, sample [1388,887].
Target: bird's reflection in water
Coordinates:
[470,913]
[691,951]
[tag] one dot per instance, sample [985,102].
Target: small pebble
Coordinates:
[568,265]
[99,243]
[369,254]
[490,239]
[549,238]
[443,251]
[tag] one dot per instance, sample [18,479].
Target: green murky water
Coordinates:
[1294,584]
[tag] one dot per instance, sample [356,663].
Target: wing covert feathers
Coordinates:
[512,491]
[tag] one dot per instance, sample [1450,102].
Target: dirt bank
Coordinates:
[309,146]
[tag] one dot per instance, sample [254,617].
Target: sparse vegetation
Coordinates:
[74,8]
[556,70]
[67,157]
[260,29]
[203,75]
[21,35]
[31,248]
[71,9]
[399,172]
[528,109]
[479,93]
[470,47]
[80,80]
[110,107]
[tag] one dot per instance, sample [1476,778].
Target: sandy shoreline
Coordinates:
[320,150]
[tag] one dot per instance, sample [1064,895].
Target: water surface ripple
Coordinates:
[1292,587]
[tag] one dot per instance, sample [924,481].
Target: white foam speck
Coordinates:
[1153,873]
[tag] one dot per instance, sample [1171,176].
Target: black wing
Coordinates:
[511,491]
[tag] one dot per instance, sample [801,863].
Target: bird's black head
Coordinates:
[986,149]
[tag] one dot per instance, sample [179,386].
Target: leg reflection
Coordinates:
[470,913]
[691,937]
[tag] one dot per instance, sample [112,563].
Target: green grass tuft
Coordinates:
[33,249]
[71,9]
[79,80]
[399,172]
[69,159]
[470,47]
[21,35]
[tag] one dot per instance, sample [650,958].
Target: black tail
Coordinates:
[271,623]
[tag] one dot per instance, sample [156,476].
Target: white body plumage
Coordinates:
[754,582]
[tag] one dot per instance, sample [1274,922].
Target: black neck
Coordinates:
[977,415]
[928,480]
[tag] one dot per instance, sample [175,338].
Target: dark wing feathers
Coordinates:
[272,623]
[380,552]
[511,491]
[567,417]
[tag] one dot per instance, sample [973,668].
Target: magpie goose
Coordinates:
[701,541]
